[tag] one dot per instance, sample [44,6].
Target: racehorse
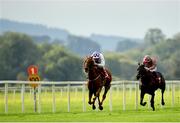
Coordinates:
[149,84]
[96,81]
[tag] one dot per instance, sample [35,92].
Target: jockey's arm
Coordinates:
[146,68]
[152,68]
[102,64]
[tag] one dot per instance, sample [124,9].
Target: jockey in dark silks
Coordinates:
[150,64]
[100,62]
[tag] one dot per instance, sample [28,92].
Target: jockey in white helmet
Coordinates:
[100,62]
[99,59]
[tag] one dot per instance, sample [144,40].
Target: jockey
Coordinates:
[150,64]
[100,62]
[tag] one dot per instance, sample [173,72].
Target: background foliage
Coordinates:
[57,61]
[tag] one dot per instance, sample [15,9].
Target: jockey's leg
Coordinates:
[155,74]
[105,74]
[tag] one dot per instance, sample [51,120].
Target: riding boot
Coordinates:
[103,73]
[106,74]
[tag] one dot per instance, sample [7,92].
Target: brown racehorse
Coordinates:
[96,81]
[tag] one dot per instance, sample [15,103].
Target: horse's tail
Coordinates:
[162,81]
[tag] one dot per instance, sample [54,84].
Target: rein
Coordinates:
[95,78]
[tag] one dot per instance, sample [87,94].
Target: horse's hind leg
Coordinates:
[162,87]
[93,103]
[100,105]
[142,97]
[152,101]
[105,92]
[162,101]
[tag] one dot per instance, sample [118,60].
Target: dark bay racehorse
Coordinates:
[149,84]
[96,81]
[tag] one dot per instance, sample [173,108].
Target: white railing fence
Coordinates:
[75,84]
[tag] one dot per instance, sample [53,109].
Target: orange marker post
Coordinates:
[33,76]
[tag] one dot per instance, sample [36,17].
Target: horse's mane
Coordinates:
[86,61]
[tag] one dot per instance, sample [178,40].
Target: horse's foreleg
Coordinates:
[105,92]
[100,106]
[90,96]
[142,97]
[152,101]
[93,103]
[98,95]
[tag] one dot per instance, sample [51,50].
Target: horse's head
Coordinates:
[140,71]
[88,63]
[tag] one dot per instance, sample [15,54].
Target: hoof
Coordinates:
[143,104]
[153,109]
[90,103]
[93,107]
[163,103]
[100,107]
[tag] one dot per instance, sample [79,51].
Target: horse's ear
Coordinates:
[86,57]
[139,63]
[84,60]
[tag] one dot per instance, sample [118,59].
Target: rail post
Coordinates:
[110,99]
[124,96]
[136,96]
[39,98]
[68,97]
[14,94]
[6,98]
[22,97]
[84,97]
[173,93]
[53,99]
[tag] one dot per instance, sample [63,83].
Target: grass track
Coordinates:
[165,114]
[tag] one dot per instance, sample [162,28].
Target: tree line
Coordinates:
[59,63]
[55,62]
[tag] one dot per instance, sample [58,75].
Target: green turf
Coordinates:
[167,113]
